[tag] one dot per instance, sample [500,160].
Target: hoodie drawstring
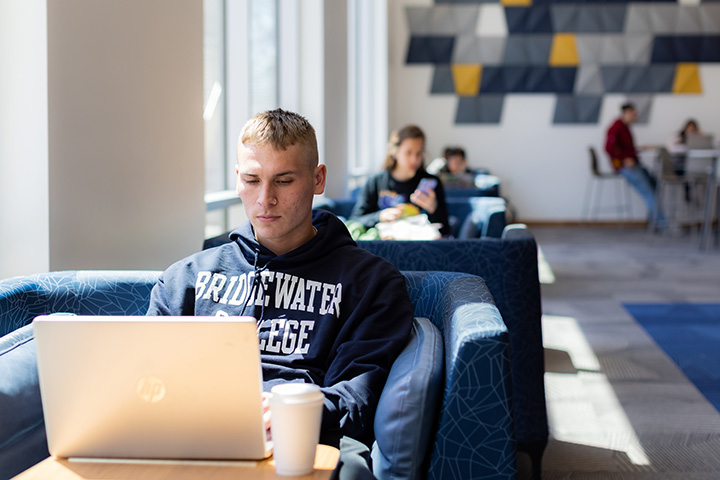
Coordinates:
[257,286]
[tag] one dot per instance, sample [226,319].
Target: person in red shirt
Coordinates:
[620,146]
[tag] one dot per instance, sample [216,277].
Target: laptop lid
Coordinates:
[699,141]
[151,387]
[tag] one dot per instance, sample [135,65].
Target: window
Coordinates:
[241,50]
[264,54]
[367,87]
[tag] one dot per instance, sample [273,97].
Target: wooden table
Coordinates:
[326,458]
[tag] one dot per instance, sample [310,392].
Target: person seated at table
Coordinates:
[403,180]
[620,146]
[679,141]
[677,147]
[327,311]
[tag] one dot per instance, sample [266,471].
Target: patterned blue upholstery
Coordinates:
[474,437]
[509,268]
[22,430]
[79,292]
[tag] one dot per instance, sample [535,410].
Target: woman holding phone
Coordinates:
[401,184]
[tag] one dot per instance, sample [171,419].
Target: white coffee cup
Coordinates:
[295,418]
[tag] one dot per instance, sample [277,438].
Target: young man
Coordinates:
[328,312]
[620,146]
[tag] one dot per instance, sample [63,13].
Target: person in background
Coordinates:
[327,311]
[403,180]
[677,146]
[456,173]
[620,146]
[456,161]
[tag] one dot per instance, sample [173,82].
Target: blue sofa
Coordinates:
[444,413]
[510,269]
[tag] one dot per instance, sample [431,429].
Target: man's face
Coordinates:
[277,188]
[630,116]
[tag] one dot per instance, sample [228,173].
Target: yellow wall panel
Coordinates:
[687,78]
[563,52]
[466,78]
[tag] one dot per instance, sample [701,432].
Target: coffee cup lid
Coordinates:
[296,392]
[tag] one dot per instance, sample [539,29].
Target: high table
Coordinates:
[653,154]
[710,192]
[326,459]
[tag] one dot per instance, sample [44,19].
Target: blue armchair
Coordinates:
[509,267]
[444,413]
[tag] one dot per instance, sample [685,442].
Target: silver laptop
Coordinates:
[151,387]
[699,141]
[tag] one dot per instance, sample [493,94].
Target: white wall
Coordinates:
[24,231]
[125,132]
[544,168]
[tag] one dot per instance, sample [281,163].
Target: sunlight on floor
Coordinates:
[582,406]
[544,270]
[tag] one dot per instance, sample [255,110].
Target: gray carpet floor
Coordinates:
[618,407]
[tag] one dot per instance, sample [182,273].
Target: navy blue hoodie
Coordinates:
[328,312]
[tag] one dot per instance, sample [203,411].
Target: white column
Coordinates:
[24,230]
[125,132]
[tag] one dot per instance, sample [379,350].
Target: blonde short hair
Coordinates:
[281,129]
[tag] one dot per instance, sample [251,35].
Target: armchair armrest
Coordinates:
[472,434]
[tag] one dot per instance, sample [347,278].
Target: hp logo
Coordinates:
[150,389]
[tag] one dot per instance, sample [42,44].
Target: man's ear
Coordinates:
[237,180]
[320,177]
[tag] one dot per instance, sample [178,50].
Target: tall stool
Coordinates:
[593,193]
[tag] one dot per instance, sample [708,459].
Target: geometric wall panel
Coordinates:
[686,48]
[529,20]
[710,18]
[577,109]
[466,79]
[491,21]
[578,50]
[442,81]
[443,20]
[589,81]
[527,49]
[481,109]
[472,49]
[687,79]
[643,106]
[564,50]
[530,79]
[638,79]
[430,49]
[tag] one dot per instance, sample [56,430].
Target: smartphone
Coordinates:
[427,184]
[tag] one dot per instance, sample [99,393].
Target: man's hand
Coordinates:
[629,162]
[266,411]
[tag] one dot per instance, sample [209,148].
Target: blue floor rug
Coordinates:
[690,335]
